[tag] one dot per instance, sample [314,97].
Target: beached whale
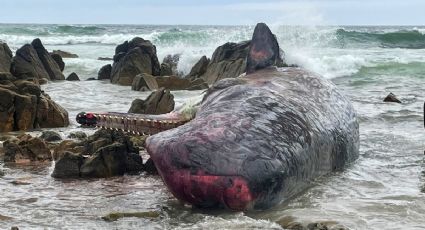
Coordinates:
[256,140]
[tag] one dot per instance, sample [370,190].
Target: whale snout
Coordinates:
[209,191]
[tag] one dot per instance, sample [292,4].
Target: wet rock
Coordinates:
[68,166]
[105,59]
[104,154]
[118,215]
[105,72]
[50,65]
[14,228]
[2,172]
[169,65]
[73,77]
[78,135]
[4,218]
[27,65]
[144,81]
[199,68]
[5,57]
[150,167]
[392,98]
[158,102]
[64,54]
[50,136]
[229,61]
[49,114]
[26,149]
[132,58]
[58,59]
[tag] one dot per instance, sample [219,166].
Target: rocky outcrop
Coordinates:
[73,77]
[27,66]
[64,54]
[229,61]
[132,58]
[50,136]
[49,64]
[26,149]
[107,153]
[5,57]
[158,102]
[392,98]
[105,72]
[146,82]
[33,62]
[169,65]
[58,59]
[199,68]
[23,106]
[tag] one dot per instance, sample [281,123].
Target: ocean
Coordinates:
[383,189]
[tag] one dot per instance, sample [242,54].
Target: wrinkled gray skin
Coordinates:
[278,129]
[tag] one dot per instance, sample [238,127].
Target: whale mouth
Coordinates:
[210,191]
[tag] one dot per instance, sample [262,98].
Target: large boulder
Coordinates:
[229,61]
[50,65]
[58,59]
[106,153]
[50,114]
[105,72]
[26,149]
[132,58]
[23,106]
[27,65]
[199,68]
[5,57]
[158,102]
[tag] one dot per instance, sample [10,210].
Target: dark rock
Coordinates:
[109,153]
[50,136]
[14,228]
[78,135]
[392,98]
[166,69]
[105,59]
[229,61]
[169,65]
[49,64]
[199,68]
[5,57]
[132,58]
[23,106]
[64,54]
[144,81]
[26,149]
[173,82]
[58,59]
[115,216]
[91,79]
[43,81]
[2,173]
[27,65]
[198,84]
[68,166]
[150,167]
[105,72]
[158,102]
[73,77]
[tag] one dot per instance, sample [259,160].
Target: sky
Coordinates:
[215,12]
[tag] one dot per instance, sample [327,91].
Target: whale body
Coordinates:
[259,139]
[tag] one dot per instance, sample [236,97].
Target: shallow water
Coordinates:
[383,189]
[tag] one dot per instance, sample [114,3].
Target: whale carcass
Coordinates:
[258,139]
